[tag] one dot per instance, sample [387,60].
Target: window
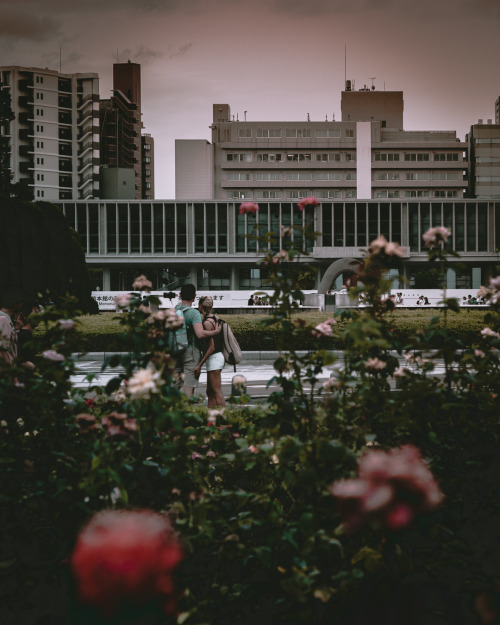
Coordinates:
[238,175]
[269,175]
[386,193]
[40,193]
[328,134]
[298,133]
[40,177]
[330,193]
[39,144]
[268,133]
[39,160]
[446,156]
[417,193]
[239,194]
[350,193]
[147,159]
[350,175]
[147,146]
[329,156]
[269,158]
[299,175]
[327,175]
[446,193]
[446,175]
[389,156]
[297,193]
[416,157]
[39,112]
[298,157]
[39,95]
[269,194]
[349,133]
[417,175]
[244,133]
[39,128]
[386,175]
[350,157]
[240,157]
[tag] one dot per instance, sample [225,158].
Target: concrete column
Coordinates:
[451,278]
[106,279]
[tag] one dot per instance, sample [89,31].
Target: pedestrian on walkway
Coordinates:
[195,331]
[212,354]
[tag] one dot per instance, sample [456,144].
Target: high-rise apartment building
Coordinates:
[484,159]
[122,145]
[367,155]
[148,173]
[54,138]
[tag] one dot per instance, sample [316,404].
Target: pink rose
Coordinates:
[51,354]
[126,559]
[436,235]
[392,488]
[307,202]
[123,300]
[324,328]
[66,324]
[375,364]
[141,282]
[249,208]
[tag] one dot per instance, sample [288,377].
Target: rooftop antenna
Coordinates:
[372,78]
[308,118]
[245,113]
[60,59]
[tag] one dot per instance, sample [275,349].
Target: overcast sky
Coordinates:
[275,59]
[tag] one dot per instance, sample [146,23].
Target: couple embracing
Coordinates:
[204,346]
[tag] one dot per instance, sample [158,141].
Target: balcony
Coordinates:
[25,83]
[25,100]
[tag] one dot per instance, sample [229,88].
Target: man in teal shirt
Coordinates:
[195,330]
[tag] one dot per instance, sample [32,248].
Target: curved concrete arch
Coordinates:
[343,265]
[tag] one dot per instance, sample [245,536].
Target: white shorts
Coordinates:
[215,361]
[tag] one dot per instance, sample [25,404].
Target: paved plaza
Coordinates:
[257,368]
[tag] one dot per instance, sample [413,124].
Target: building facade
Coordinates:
[484,160]
[54,138]
[211,245]
[366,156]
[63,134]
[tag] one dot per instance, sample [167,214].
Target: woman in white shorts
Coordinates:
[212,354]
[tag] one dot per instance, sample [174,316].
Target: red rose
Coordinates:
[126,559]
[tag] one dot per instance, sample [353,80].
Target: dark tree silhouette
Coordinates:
[41,254]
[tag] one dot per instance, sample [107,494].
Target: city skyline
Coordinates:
[271,60]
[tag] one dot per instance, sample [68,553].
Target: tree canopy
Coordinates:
[41,254]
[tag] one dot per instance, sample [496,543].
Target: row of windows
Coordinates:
[409,157]
[300,133]
[249,194]
[337,175]
[161,228]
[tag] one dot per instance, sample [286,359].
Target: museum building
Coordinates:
[211,245]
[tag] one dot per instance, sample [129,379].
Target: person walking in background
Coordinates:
[195,331]
[11,302]
[212,354]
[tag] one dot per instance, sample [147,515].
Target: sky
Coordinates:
[278,60]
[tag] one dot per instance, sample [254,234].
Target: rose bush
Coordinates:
[259,496]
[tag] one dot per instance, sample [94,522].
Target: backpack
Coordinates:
[178,339]
[230,347]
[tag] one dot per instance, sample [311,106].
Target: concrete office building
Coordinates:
[54,138]
[365,156]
